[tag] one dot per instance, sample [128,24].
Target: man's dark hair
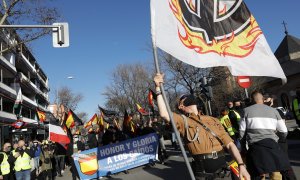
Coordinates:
[190,99]
[236,100]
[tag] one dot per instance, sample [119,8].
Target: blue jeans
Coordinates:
[23,175]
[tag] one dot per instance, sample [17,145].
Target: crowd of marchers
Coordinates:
[48,160]
[252,132]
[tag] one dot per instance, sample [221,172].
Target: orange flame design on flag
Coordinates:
[236,46]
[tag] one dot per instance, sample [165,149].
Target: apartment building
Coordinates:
[19,68]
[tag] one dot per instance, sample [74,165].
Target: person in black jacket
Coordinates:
[92,140]
[59,154]
[76,146]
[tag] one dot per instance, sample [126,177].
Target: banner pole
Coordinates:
[246,92]
[172,121]
[166,100]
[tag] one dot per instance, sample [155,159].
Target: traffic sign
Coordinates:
[60,35]
[244,81]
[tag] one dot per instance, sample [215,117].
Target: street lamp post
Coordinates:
[58,106]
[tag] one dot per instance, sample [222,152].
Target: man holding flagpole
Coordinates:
[205,137]
[208,34]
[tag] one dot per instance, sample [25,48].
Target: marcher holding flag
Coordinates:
[205,136]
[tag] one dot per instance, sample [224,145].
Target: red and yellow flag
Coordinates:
[128,124]
[101,122]
[141,110]
[70,120]
[151,96]
[92,121]
[88,165]
[41,115]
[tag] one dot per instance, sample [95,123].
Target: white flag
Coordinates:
[212,33]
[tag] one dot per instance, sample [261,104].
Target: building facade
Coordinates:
[20,70]
[288,55]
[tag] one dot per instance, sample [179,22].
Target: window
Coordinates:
[7,105]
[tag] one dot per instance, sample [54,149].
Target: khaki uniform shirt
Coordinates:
[207,142]
[45,166]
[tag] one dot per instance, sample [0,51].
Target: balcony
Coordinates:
[43,81]
[29,101]
[27,81]
[31,121]
[7,64]
[7,88]
[10,118]
[30,66]
[30,84]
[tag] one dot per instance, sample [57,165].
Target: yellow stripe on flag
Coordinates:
[42,115]
[70,120]
[88,166]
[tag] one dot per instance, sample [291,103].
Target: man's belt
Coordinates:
[212,155]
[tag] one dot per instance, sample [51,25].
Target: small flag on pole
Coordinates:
[142,110]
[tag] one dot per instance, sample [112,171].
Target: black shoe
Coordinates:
[60,175]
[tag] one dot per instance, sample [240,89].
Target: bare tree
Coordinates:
[225,87]
[130,84]
[66,97]
[39,12]
[182,78]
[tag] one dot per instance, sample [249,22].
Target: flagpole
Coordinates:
[166,100]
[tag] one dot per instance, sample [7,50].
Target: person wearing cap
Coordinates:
[204,136]
[36,150]
[45,169]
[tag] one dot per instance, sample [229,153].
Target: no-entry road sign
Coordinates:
[244,81]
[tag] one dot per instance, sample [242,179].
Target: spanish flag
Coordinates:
[141,110]
[41,115]
[92,121]
[70,120]
[101,122]
[151,96]
[88,165]
[128,125]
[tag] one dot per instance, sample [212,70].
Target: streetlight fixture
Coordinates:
[57,100]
